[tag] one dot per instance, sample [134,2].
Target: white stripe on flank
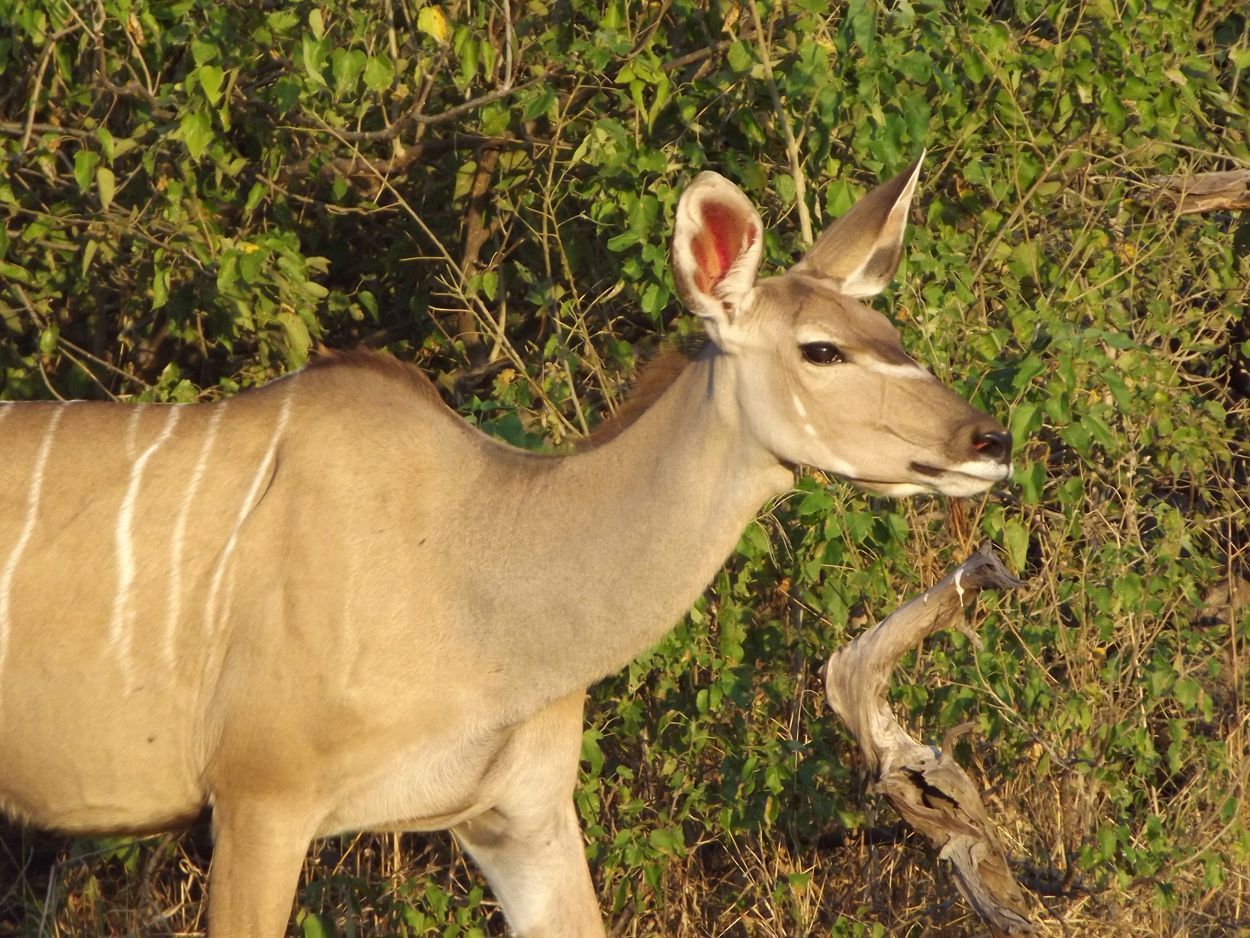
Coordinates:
[180,534]
[28,528]
[132,430]
[123,538]
[210,610]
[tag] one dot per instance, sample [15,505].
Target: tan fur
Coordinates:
[330,604]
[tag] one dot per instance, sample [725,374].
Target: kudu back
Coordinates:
[330,604]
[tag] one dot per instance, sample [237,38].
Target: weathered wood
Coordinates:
[1194,194]
[927,787]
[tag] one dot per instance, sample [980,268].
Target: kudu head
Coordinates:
[822,379]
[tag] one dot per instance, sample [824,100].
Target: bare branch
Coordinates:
[1204,192]
[414,115]
[928,788]
[44,58]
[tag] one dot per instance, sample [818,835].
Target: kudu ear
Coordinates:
[717,246]
[862,249]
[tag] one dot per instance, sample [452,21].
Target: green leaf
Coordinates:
[211,78]
[816,502]
[316,23]
[468,62]
[197,132]
[202,52]
[298,340]
[592,753]
[1031,481]
[14,272]
[668,841]
[254,195]
[379,73]
[313,55]
[538,105]
[862,16]
[314,926]
[106,142]
[160,286]
[1026,418]
[48,340]
[741,56]
[88,254]
[84,165]
[496,118]
[1099,431]
[623,240]
[347,67]
[432,22]
[1187,692]
[106,183]
[663,89]
[1016,540]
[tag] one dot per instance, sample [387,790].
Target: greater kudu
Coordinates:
[330,604]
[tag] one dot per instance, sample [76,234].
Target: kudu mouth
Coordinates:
[991,463]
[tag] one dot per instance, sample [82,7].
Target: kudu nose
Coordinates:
[993,444]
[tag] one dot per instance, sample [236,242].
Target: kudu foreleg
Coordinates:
[258,850]
[529,845]
[536,866]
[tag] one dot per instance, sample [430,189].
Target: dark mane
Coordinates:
[656,377]
[382,364]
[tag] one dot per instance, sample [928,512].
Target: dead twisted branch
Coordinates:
[927,787]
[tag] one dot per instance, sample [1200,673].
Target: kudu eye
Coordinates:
[822,353]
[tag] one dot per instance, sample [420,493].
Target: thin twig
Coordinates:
[413,115]
[473,301]
[124,375]
[699,55]
[792,147]
[132,88]
[508,39]
[44,58]
[61,343]
[48,897]
[1021,206]
[19,130]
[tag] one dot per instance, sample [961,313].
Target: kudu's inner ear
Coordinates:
[717,245]
[862,249]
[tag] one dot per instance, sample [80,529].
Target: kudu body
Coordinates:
[329,604]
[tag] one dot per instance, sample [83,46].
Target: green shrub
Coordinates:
[197,193]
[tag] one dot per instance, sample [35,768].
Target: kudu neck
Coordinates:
[631,532]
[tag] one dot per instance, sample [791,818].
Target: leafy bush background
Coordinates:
[196,192]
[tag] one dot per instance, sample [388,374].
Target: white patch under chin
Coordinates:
[983,469]
[896,489]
